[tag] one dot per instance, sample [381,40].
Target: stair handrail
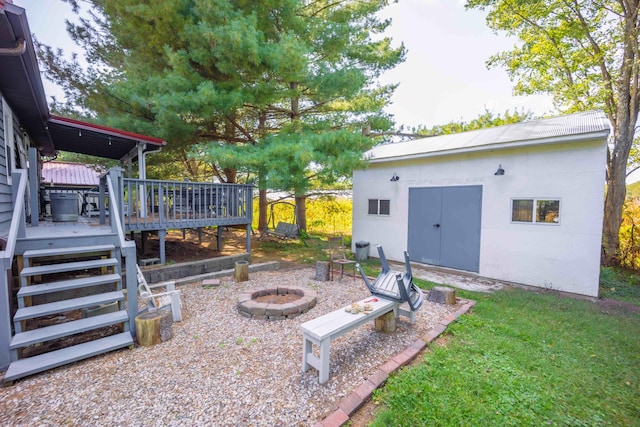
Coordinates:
[18,221]
[128,247]
[16,229]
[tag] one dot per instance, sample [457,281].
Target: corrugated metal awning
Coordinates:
[70,174]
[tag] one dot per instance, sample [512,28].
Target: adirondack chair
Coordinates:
[160,300]
[394,285]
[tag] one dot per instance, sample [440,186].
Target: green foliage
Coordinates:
[562,48]
[633,191]
[483,121]
[585,54]
[98,162]
[197,71]
[630,232]
[523,359]
[277,91]
[325,215]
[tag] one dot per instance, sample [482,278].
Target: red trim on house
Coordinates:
[106,130]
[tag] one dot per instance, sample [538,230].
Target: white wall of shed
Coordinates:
[563,257]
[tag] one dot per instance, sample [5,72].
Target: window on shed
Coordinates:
[548,211]
[522,210]
[379,207]
[540,211]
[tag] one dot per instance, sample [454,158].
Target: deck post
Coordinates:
[219,238]
[34,190]
[102,193]
[249,238]
[5,313]
[161,235]
[143,242]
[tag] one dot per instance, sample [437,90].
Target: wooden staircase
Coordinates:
[59,288]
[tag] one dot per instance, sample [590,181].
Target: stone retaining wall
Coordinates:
[194,268]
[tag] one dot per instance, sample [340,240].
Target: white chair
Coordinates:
[160,300]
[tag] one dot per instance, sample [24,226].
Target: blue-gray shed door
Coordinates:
[444,226]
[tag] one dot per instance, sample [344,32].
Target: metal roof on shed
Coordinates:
[574,127]
[70,174]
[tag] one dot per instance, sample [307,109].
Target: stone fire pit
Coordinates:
[277,303]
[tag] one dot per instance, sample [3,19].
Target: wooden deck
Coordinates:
[145,206]
[47,228]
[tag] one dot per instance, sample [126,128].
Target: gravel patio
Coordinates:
[219,368]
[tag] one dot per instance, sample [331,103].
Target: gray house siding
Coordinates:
[6,205]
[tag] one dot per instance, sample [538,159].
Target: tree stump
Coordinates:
[386,323]
[242,271]
[154,327]
[322,271]
[442,295]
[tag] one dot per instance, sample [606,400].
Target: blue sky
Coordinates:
[444,77]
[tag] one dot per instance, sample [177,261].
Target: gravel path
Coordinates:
[219,369]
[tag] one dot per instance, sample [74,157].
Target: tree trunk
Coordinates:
[301,212]
[613,204]
[262,210]
[154,327]
[262,187]
[301,200]
[241,273]
[624,121]
[616,184]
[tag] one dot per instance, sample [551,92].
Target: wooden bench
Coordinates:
[321,330]
[284,230]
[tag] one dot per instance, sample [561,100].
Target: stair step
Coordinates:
[32,365]
[48,333]
[39,253]
[67,266]
[66,305]
[64,285]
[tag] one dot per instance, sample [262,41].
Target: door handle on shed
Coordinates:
[436,225]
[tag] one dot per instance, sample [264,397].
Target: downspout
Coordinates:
[142,174]
[20,49]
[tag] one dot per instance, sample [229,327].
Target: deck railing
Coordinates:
[156,204]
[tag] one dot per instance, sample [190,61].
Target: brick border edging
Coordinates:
[350,404]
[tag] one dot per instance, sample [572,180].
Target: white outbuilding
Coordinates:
[521,203]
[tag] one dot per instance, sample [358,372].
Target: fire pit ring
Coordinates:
[297,301]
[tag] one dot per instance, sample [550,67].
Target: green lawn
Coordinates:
[524,359]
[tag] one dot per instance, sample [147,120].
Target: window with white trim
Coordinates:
[536,211]
[379,206]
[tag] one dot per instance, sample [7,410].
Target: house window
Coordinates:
[379,207]
[539,211]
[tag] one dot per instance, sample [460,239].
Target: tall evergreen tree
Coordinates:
[266,77]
